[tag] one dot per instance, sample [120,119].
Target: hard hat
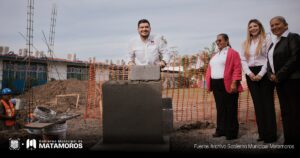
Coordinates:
[6,91]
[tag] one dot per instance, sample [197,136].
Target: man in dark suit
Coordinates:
[284,70]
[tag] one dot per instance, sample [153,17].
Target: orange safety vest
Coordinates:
[9,111]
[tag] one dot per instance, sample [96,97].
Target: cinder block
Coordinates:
[147,72]
[132,112]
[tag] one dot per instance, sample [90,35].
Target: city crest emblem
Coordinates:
[14,144]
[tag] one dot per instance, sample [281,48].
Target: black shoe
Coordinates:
[260,139]
[218,135]
[231,138]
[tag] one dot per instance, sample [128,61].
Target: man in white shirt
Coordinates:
[148,49]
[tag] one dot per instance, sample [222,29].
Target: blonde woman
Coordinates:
[254,63]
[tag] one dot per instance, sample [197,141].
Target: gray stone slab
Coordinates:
[132,112]
[146,73]
[125,147]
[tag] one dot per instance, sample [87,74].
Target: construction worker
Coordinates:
[7,110]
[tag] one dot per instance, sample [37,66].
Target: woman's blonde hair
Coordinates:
[262,37]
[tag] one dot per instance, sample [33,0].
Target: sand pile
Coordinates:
[45,95]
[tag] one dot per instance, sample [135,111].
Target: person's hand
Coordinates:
[252,76]
[233,87]
[131,63]
[273,78]
[258,78]
[162,64]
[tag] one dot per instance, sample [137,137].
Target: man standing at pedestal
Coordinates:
[148,49]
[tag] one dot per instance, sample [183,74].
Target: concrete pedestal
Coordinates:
[132,112]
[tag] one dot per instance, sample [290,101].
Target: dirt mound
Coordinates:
[45,95]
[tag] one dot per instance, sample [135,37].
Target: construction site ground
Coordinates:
[188,135]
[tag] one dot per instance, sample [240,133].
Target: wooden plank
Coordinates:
[77,101]
[68,95]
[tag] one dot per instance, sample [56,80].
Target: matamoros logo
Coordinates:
[32,144]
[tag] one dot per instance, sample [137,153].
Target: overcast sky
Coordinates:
[103,28]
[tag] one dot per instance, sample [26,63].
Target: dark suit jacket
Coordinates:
[286,58]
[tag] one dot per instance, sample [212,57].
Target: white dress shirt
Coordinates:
[217,64]
[256,60]
[271,52]
[149,52]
